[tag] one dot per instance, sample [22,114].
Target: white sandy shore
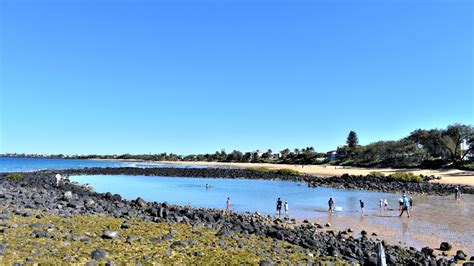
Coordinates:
[450,176]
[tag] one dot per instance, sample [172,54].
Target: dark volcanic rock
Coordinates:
[98,254]
[445,246]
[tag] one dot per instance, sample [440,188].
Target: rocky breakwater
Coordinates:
[368,182]
[38,191]
[388,184]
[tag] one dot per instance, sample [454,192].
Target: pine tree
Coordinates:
[352,139]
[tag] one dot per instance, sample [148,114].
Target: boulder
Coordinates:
[140,202]
[98,254]
[67,195]
[460,255]
[445,246]
[110,234]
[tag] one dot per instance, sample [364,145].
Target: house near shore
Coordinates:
[331,155]
[256,155]
[464,147]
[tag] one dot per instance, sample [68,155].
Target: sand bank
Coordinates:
[450,176]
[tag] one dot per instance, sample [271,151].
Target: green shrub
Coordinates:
[468,166]
[406,177]
[276,171]
[259,169]
[376,173]
[288,172]
[15,176]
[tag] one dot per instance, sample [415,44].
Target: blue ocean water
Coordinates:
[11,164]
[246,195]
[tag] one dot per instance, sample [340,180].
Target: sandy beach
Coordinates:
[450,176]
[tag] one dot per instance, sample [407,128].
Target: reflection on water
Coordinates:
[433,218]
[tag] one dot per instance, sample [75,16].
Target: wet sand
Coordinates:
[433,220]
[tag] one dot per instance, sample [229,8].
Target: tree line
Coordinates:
[434,148]
[452,146]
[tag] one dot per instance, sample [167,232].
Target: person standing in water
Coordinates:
[406,206]
[286,210]
[362,204]
[278,207]
[331,204]
[381,204]
[456,193]
[385,204]
[228,206]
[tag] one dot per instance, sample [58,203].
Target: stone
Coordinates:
[67,195]
[125,225]
[445,246]
[178,244]
[140,202]
[3,246]
[98,254]
[198,253]
[110,234]
[460,255]
[131,239]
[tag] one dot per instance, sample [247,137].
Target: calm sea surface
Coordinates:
[9,164]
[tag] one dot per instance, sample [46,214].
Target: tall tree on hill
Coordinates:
[352,140]
[453,138]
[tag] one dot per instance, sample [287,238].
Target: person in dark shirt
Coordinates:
[278,209]
[362,204]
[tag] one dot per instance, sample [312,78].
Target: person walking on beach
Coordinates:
[385,204]
[411,202]
[278,209]
[286,210]
[457,193]
[331,204]
[400,204]
[381,204]
[406,206]
[228,210]
[362,204]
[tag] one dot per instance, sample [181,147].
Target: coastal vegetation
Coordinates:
[451,147]
[290,172]
[406,177]
[15,176]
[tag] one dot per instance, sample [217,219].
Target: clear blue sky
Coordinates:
[197,76]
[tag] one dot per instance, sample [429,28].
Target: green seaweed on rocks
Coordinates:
[52,239]
[283,171]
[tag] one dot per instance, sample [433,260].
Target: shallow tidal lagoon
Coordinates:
[434,218]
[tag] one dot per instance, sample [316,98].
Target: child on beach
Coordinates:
[362,204]
[228,206]
[331,204]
